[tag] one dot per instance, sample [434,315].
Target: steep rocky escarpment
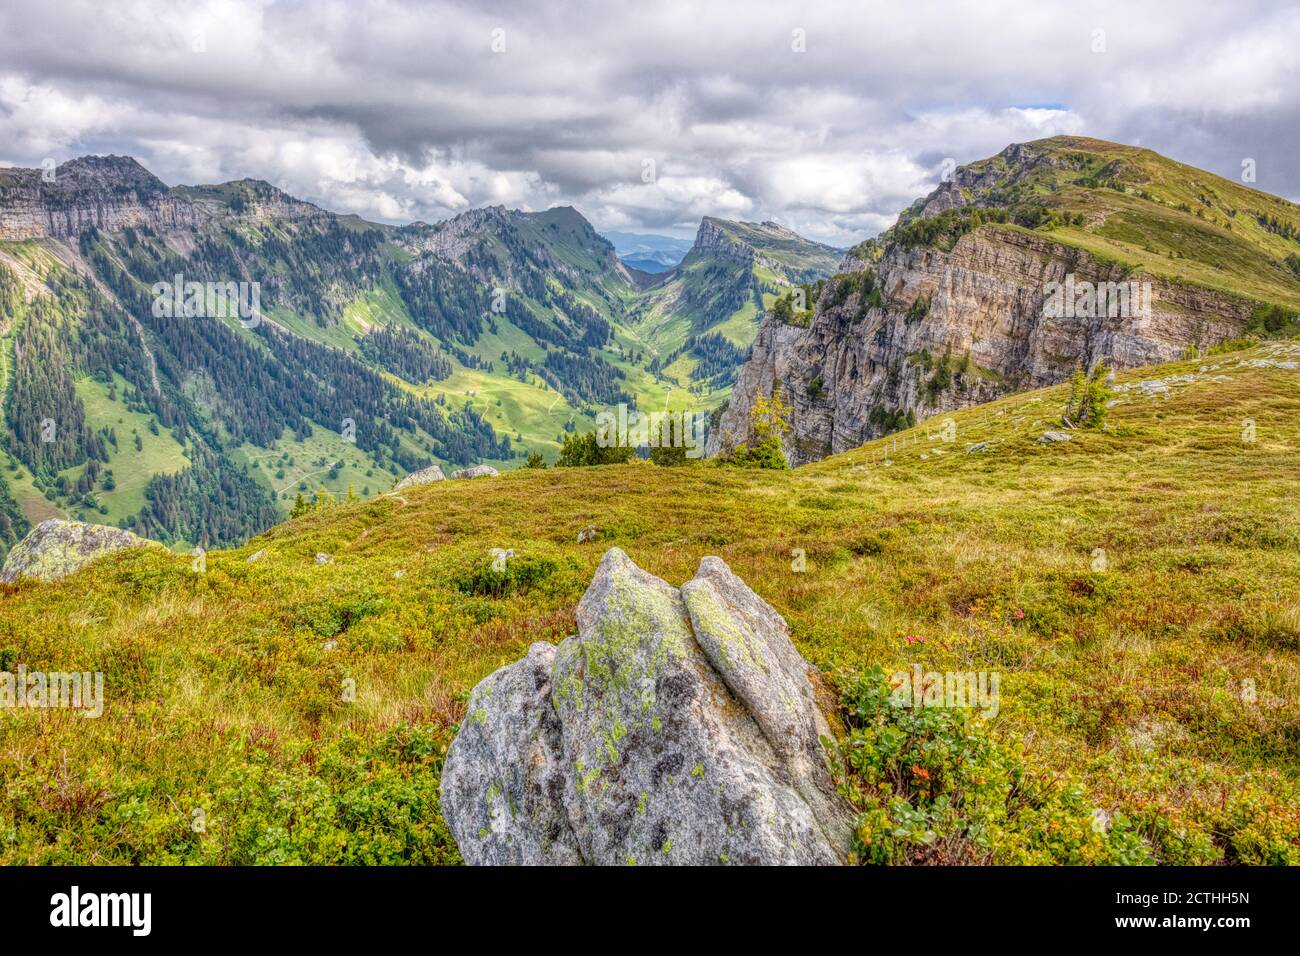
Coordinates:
[911,328]
[768,245]
[676,727]
[715,240]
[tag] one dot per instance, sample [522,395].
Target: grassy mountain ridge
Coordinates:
[952,306]
[1126,680]
[1133,206]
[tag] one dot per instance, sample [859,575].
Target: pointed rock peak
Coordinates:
[625,606]
[717,237]
[258,189]
[563,214]
[711,226]
[474,220]
[116,174]
[569,224]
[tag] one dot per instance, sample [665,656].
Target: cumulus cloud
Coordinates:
[828,117]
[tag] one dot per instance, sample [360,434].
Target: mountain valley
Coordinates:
[377,349]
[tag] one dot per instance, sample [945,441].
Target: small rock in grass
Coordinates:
[422,477]
[478,471]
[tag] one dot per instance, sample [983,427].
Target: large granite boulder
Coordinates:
[422,477]
[56,548]
[676,726]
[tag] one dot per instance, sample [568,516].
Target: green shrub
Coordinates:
[375,805]
[1273,321]
[668,455]
[1232,345]
[519,576]
[919,308]
[582,450]
[768,426]
[787,311]
[887,422]
[942,377]
[930,786]
[1089,396]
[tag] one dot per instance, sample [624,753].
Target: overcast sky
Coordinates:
[826,116]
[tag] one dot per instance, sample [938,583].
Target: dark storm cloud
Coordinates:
[829,117]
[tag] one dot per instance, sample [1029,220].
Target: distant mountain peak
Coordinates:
[86,173]
[767,243]
[718,237]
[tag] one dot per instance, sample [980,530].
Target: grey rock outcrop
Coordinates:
[422,477]
[676,727]
[478,471]
[56,548]
[1053,438]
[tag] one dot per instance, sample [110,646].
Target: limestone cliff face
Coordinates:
[766,244]
[936,330]
[712,240]
[104,192]
[112,193]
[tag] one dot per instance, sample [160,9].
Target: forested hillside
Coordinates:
[370,351]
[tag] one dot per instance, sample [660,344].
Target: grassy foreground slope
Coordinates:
[1162,677]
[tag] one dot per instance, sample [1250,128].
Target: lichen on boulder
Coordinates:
[56,548]
[676,726]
